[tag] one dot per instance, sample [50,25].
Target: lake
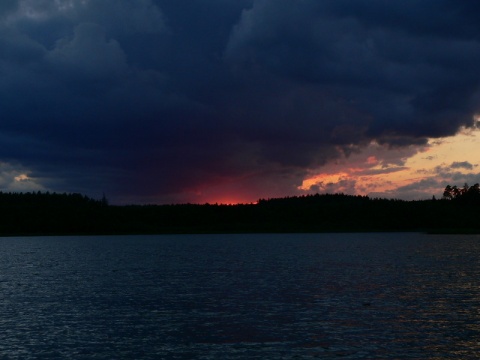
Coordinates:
[268,296]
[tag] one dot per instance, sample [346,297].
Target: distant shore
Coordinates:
[74,214]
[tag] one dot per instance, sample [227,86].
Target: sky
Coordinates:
[161,101]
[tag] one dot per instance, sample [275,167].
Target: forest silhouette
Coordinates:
[63,214]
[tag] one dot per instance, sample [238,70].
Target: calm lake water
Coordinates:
[327,296]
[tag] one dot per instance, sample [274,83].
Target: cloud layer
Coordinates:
[167,101]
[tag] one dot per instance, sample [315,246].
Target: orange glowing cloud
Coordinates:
[412,172]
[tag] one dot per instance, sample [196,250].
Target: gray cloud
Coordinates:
[342,186]
[417,190]
[461,165]
[88,55]
[163,99]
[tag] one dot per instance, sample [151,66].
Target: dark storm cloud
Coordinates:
[162,97]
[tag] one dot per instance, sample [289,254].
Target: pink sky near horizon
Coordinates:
[408,173]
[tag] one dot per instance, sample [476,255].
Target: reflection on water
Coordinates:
[347,296]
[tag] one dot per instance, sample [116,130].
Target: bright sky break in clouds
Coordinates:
[159,101]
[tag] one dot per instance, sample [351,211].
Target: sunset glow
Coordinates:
[453,159]
[232,101]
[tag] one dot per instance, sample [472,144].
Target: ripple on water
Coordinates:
[304,296]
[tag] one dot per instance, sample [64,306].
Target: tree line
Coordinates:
[60,214]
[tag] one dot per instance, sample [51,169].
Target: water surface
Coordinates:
[346,296]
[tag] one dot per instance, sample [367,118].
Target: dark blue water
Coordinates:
[327,296]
